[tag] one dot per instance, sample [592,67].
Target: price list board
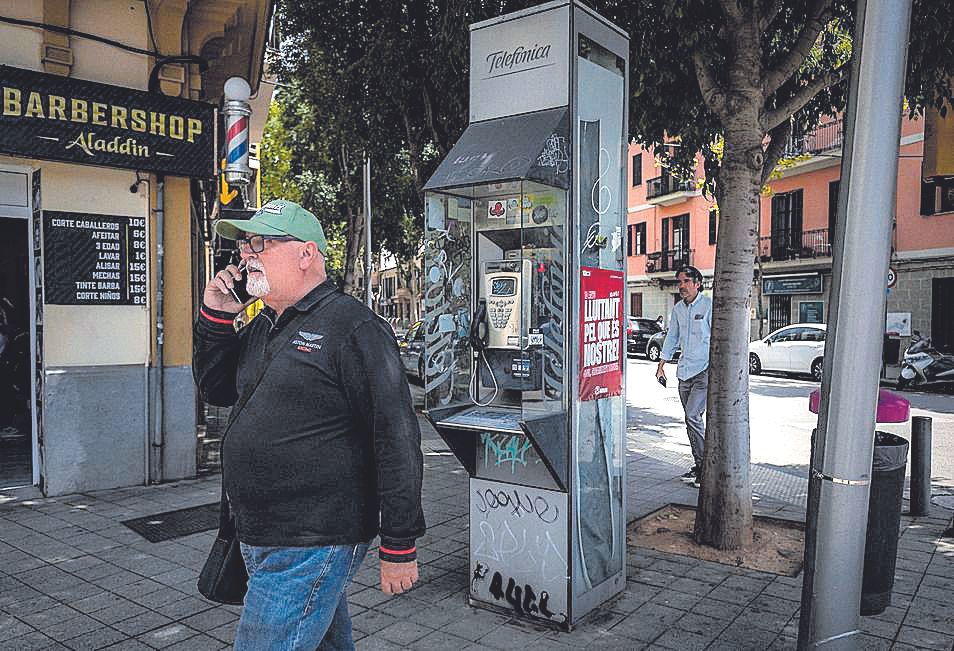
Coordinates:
[94,259]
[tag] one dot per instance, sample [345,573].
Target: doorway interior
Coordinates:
[16,382]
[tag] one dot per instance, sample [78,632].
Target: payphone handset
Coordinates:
[506,290]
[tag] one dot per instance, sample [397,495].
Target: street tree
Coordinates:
[736,80]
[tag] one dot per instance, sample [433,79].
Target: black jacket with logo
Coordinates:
[328,442]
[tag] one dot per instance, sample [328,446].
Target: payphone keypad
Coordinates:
[500,312]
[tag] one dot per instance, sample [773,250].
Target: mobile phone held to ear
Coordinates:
[239,292]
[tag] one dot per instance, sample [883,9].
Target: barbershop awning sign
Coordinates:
[59,118]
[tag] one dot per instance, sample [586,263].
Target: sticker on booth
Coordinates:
[601,341]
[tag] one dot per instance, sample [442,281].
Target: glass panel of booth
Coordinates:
[598,482]
[495,309]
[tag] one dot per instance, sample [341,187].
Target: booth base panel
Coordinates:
[518,549]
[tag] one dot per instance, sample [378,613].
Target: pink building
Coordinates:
[671,223]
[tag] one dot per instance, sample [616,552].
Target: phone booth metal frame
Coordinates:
[524,266]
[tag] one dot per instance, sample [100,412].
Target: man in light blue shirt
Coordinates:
[690,326]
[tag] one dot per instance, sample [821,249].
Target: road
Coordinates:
[780,422]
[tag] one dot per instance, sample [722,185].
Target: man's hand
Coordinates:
[218,294]
[398,577]
[661,371]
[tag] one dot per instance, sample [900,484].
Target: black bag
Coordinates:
[223,578]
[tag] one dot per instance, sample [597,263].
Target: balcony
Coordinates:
[663,261]
[824,138]
[795,245]
[666,190]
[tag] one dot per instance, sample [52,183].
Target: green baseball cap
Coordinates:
[277,217]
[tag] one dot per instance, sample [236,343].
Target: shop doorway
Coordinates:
[780,311]
[17,439]
[942,314]
[16,386]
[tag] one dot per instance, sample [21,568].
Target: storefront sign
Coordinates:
[60,118]
[792,284]
[601,342]
[94,259]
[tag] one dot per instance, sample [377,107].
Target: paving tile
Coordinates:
[683,640]
[404,633]
[119,612]
[926,639]
[438,641]
[140,624]
[34,640]
[166,636]
[701,624]
[73,627]
[372,621]
[13,628]
[198,643]
[96,639]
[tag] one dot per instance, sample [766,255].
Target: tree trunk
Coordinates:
[724,517]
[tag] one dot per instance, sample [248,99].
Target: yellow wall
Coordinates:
[177,294]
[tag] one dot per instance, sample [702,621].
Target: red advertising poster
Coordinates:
[601,341]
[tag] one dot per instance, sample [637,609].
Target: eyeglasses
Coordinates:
[256,243]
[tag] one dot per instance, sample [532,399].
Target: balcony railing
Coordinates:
[660,261]
[824,138]
[666,184]
[795,245]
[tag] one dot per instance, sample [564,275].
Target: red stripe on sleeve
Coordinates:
[399,552]
[214,319]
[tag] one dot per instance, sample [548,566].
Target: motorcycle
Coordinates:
[923,364]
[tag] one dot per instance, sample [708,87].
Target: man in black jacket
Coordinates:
[323,450]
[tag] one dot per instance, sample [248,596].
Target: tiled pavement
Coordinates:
[72,577]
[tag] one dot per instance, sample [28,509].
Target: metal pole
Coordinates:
[159,427]
[367,233]
[920,465]
[841,457]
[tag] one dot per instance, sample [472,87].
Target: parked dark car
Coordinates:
[638,334]
[654,347]
[411,346]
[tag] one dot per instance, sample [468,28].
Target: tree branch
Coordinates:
[712,93]
[731,9]
[814,23]
[773,153]
[773,118]
[771,14]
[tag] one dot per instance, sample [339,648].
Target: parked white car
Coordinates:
[797,348]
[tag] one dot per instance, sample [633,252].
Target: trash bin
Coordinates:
[884,521]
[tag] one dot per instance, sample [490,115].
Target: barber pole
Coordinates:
[237,111]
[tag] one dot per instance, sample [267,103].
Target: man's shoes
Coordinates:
[693,477]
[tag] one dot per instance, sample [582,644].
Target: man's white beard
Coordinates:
[257,284]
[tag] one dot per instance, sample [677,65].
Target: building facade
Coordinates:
[110,139]
[672,223]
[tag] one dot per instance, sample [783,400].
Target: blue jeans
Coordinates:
[297,597]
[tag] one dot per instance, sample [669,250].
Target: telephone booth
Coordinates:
[523,302]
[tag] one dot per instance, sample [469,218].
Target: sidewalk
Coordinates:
[73,577]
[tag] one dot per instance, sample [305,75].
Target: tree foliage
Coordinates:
[384,77]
